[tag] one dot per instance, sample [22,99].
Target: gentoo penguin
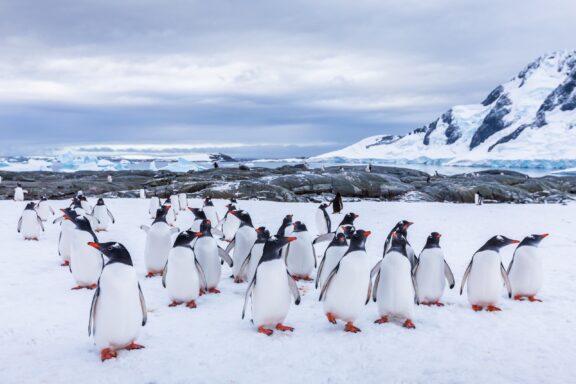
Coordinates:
[334,252]
[432,271]
[271,289]
[66,232]
[300,255]
[402,228]
[525,270]
[347,222]
[199,217]
[348,286]
[394,286]
[30,223]
[175,203]
[118,308]
[210,211]
[158,243]
[242,243]
[285,230]
[251,262]
[485,274]
[183,275]
[183,201]
[323,222]
[19,192]
[86,262]
[103,216]
[230,223]
[170,211]
[153,207]
[44,209]
[208,254]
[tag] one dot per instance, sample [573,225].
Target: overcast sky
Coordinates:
[310,76]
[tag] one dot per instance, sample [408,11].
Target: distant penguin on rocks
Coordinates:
[334,252]
[143,194]
[345,226]
[199,217]
[431,272]
[183,276]
[118,309]
[230,223]
[210,211]
[183,201]
[271,289]
[30,223]
[485,274]
[44,209]
[19,192]
[242,243]
[394,286]
[158,243]
[300,255]
[323,222]
[103,216]
[86,262]
[526,270]
[170,212]
[402,228]
[153,206]
[249,267]
[348,286]
[208,254]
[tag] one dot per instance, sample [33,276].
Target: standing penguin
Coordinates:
[345,226]
[86,263]
[348,286]
[526,270]
[44,209]
[158,243]
[182,201]
[30,223]
[183,275]
[210,211]
[485,274]
[199,217]
[432,271]
[251,262]
[142,193]
[118,308]
[103,216]
[208,254]
[394,287]
[332,256]
[242,243]
[19,192]
[230,223]
[300,255]
[153,206]
[66,234]
[323,222]
[337,203]
[402,228]
[170,212]
[271,289]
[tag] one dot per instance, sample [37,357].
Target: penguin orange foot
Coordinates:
[492,308]
[107,354]
[438,304]
[519,297]
[238,280]
[66,263]
[152,274]
[284,328]
[174,304]
[266,331]
[306,278]
[477,308]
[350,327]
[331,318]
[133,346]
[533,299]
[92,286]
[214,290]
[382,320]
[409,324]
[191,304]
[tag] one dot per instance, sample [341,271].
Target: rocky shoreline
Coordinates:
[297,183]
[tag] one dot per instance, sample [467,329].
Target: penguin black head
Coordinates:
[323,206]
[160,215]
[348,231]
[167,202]
[402,227]
[287,220]
[19,185]
[497,242]
[100,201]
[262,234]
[185,238]
[398,243]
[198,213]
[231,207]
[82,198]
[208,202]
[532,240]
[243,216]
[339,240]
[115,252]
[30,206]
[206,227]
[69,213]
[233,200]
[299,227]
[433,241]
[43,198]
[358,240]
[273,246]
[349,219]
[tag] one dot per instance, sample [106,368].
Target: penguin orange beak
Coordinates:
[544,235]
[439,235]
[66,217]
[355,215]
[95,245]
[292,238]
[514,241]
[199,234]
[258,230]
[367,233]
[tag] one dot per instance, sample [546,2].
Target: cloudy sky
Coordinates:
[284,78]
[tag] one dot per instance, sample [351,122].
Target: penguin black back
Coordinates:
[185,238]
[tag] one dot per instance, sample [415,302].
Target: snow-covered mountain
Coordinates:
[529,122]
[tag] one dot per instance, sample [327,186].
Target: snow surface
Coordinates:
[43,324]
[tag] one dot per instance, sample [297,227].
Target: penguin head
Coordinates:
[299,227]
[82,198]
[533,240]
[272,248]
[100,201]
[230,207]
[262,234]
[339,241]
[398,243]
[323,206]
[358,240]
[116,252]
[243,216]
[19,185]
[160,215]
[167,202]
[69,213]
[185,238]
[497,242]
[82,223]
[30,206]
[44,198]
[348,231]
[287,220]
[198,213]
[433,241]
[206,227]
[208,202]
[233,200]
[349,218]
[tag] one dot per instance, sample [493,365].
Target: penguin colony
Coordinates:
[190,265]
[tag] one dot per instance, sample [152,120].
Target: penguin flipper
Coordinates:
[143,306]
[40,223]
[328,281]
[111,216]
[369,292]
[328,221]
[248,294]
[226,257]
[448,273]
[91,319]
[315,257]
[294,288]
[217,232]
[320,268]
[19,225]
[201,273]
[465,277]
[164,273]
[245,264]
[415,285]
[145,228]
[506,280]
[511,263]
[231,245]
[324,237]
[58,219]
[375,270]
[174,230]
[376,283]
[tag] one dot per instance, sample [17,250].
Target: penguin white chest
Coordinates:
[118,315]
[101,214]
[395,295]
[18,194]
[158,245]
[255,256]
[182,201]
[430,278]
[30,226]
[526,275]
[86,262]
[485,281]
[206,251]
[182,277]
[245,239]
[66,236]
[230,226]
[175,202]
[211,214]
[321,224]
[271,294]
[44,211]
[300,258]
[332,258]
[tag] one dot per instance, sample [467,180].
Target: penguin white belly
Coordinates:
[321,225]
[171,216]
[230,226]
[288,231]
[206,250]
[103,220]
[158,245]
[348,290]
[19,194]
[271,294]
[65,243]
[526,275]
[195,227]
[211,214]
[256,255]
[182,201]
[300,259]
[395,296]
[411,255]
[485,281]
[333,257]
[44,211]
[118,317]
[182,278]
[430,278]
[30,228]
[153,207]
[174,201]
[86,206]
[86,262]
[245,239]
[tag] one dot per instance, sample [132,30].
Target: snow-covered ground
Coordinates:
[43,324]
